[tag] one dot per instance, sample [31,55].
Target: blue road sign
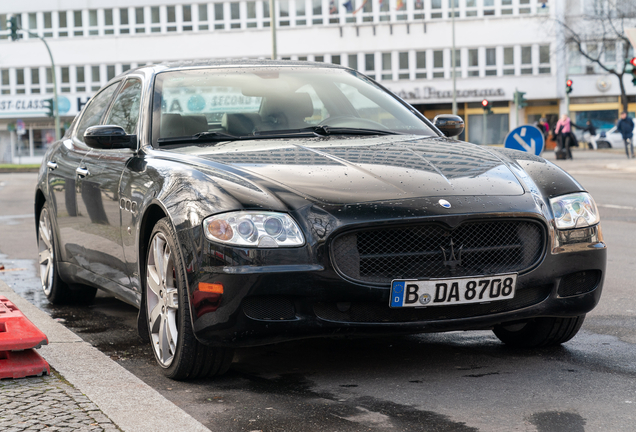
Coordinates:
[526,138]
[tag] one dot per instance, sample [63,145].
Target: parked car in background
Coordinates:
[607,139]
[251,202]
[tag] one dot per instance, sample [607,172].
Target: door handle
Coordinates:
[52,165]
[82,172]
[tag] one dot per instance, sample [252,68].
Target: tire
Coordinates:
[179,354]
[55,289]
[603,145]
[539,332]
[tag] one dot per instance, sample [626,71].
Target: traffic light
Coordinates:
[568,86]
[633,63]
[50,107]
[486,106]
[13,27]
[520,100]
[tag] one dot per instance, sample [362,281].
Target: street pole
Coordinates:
[272,26]
[453,60]
[483,141]
[567,99]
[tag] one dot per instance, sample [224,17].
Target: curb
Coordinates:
[129,402]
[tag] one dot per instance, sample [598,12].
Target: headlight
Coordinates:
[253,228]
[576,210]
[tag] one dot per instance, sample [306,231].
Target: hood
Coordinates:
[338,170]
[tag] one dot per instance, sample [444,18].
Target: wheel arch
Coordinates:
[40,199]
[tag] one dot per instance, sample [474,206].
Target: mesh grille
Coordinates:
[424,251]
[269,308]
[579,283]
[374,312]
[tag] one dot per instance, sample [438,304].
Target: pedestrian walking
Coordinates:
[589,130]
[626,127]
[563,132]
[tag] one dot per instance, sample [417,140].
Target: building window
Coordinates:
[65,79]
[219,22]
[48,24]
[155,20]
[77,22]
[526,60]
[92,22]
[62,24]
[235,14]
[436,9]
[524,7]
[369,64]
[49,80]
[33,24]
[335,59]
[316,11]
[471,8]
[139,20]
[171,18]
[300,13]
[203,17]
[125,67]
[509,61]
[506,7]
[110,72]
[419,10]
[4,81]
[187,17]
[108,22]
[95,78]
[19,81]
[489,7]
[544,59]
[123,21]
[574,60]
[265,13]
[35,80]
[386,66]
[420,65]
[384,11]
[450,8]
[80,80]
[473,62]
[438,64]
[458,62]
[491,61]
[403,66]
[353,61]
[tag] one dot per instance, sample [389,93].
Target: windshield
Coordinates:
[261,102]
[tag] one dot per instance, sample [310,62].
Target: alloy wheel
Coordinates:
[46,251]
[162,300]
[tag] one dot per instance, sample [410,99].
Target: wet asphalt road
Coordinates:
[460,381]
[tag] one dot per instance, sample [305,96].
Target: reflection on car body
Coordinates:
[246,203]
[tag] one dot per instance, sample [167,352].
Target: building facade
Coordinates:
[501,46]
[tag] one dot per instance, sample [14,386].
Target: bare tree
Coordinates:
[599,27]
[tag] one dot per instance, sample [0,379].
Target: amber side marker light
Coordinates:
[211,287]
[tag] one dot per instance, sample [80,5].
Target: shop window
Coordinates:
[335,59]
[418,10]
[48,24]
[491,61]
[403,66]
[251,14]
[4,81]
[77,22]
[171,18]
[471,8]
[436,9]
[300,13]
[124,27]
[524,7]
[62,24]
[155,19]
[353,61]
[438,64]
[35,80]
[186,11]
[219,21]
[386,66]
[506,7]
[265,6]
[283,13]
[139,20]
[526,60]
[203,17]
[33,24]
[544,59]
[489,7]
[316,11]
[420,65]
[108,22]
[65,79]
[95,78]
[80,80]
[19,81]
[235,15]
[473,62]
[450,10]
[92,22]
[509,61]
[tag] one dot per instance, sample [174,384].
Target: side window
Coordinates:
[125,110]
[95,109]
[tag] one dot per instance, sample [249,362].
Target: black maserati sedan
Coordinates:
[243,203]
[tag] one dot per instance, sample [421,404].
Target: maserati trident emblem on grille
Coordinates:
[444,203]
[451,260]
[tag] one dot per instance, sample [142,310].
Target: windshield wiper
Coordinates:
[200,137]
[321,130]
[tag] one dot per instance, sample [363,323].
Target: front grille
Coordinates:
[269,308]
[381,313]
[424,251]
[579,283]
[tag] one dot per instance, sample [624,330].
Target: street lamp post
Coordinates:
[272,26]
[453,59]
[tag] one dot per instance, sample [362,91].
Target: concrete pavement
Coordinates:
[87,391]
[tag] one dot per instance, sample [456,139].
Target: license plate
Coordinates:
[440,292]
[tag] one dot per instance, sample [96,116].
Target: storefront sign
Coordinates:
[32,106]
[427,92]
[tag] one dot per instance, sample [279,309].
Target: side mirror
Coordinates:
[109,137]
[450,125]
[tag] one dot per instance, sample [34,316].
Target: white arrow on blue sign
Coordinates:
[526,138]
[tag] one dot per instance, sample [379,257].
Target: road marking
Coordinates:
[529,148]
[614,206]
[10,270]
[24,216]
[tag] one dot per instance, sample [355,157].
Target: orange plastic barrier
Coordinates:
[20,364]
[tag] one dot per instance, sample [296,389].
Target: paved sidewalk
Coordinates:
[87,391]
